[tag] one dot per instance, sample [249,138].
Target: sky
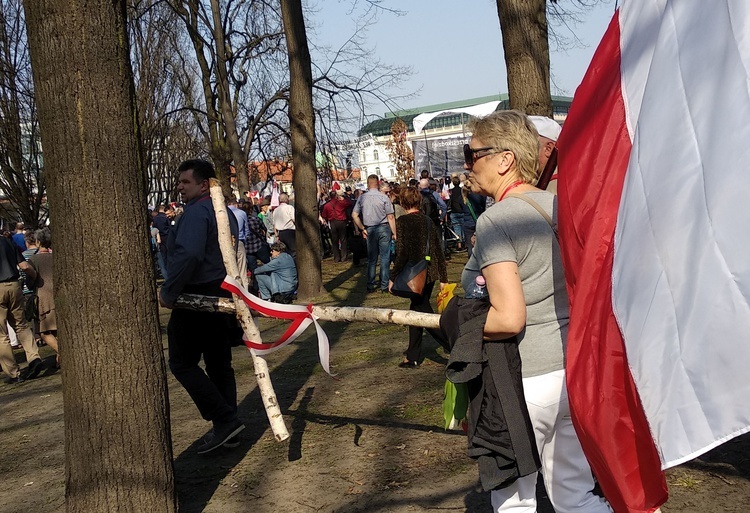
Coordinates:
[454,47]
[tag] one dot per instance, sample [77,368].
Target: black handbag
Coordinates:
[410,282]
[31,307]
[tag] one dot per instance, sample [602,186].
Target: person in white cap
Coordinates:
[549,130]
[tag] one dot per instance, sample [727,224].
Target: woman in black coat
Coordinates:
[412,231]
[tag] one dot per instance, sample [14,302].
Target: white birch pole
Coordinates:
[324,313]
[229,255]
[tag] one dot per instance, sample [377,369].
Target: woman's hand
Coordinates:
[442,286]
[390,285]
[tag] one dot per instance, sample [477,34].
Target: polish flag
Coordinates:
[654,215]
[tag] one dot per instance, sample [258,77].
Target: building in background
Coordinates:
[438,143]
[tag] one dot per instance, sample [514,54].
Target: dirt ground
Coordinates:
[370,440]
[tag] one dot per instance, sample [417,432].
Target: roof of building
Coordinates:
[382,126]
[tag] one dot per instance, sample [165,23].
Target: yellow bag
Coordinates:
[444,296]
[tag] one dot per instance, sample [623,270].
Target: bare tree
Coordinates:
[401,154]
[168,131]
[21,177]
[117,437]
[302,124]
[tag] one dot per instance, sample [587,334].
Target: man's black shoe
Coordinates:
[232,443]
[35,367]
[14,381]
[222,433]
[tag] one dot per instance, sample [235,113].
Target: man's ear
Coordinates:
[548,147]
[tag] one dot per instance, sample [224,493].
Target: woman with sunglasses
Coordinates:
[518,254]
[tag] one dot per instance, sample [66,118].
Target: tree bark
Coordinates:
[524,27]
[117,435]
[302,127]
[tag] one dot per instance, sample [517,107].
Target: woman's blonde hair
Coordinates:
[511,130]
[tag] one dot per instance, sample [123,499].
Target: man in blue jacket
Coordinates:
[277,280]
[195,266]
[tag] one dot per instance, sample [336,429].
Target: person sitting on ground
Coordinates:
[277,280]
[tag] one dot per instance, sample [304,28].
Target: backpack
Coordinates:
[430,207]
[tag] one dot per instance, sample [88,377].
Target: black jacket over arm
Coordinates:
[501,437]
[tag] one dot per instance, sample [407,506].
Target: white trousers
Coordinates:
[567,475]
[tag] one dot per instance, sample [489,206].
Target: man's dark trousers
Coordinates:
[338,233]
[289,238]
[207,334]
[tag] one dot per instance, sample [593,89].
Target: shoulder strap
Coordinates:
[471,209]
[539,209]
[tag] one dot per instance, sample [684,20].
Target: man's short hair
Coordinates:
[283,198]
[424,174]
[278,246]
[29,238]
[202,169]
[424,183]
[373,178]
[19,226]
[43,237]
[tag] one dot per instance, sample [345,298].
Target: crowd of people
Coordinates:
[492,209]
[27,306]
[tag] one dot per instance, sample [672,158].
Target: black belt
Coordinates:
[373,225]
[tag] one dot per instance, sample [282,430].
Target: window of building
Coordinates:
[375,155]
[377,170]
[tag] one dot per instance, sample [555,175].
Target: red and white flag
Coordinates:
[654,214]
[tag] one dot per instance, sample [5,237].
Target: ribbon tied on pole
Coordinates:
[301,317]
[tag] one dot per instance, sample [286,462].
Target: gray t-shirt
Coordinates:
[513,231]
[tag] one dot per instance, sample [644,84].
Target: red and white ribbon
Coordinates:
[301,317]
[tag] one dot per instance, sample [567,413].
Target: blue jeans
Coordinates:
[378,243]
[457,223]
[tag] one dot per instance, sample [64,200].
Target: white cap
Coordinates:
[546,127]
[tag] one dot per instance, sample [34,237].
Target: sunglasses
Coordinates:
[471,155]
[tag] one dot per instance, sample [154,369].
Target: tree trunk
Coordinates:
[302,125]
[225,103]
[524,27]
[190,12]
[117,435]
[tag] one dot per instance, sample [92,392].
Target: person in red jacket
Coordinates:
[336,213]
